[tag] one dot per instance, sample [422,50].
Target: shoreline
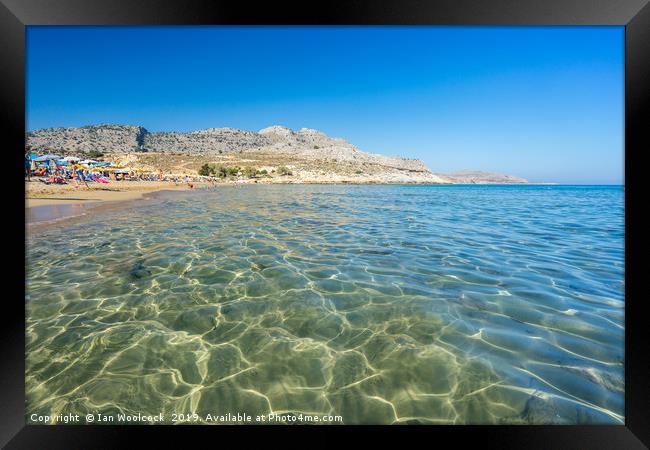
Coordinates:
[37,194]
[50,204]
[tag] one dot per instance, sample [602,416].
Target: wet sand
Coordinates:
[38,194]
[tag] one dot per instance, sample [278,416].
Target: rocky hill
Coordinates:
[103,138]
[313,154]
[478,177]
[305,144]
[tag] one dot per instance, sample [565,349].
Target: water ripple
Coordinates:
[382,304]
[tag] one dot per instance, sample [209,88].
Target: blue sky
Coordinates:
[544,103]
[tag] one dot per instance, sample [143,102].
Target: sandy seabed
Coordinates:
[378,304]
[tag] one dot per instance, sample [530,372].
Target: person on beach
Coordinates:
[79,176]
[28,167]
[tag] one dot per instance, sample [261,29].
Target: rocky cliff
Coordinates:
[103,138]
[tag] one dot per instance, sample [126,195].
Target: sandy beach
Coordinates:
[45,204]
[40,194]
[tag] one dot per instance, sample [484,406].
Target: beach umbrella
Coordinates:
[88,161]
[48,157]
[71,159]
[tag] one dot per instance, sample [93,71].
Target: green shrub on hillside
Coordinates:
[206,170]
[249,172]
[94,154]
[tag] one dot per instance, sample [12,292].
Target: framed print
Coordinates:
[399,218]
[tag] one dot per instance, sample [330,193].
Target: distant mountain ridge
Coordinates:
[478,177]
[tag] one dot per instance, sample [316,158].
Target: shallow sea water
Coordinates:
[381,304]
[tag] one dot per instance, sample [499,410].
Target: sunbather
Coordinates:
[100,179]
[53,180]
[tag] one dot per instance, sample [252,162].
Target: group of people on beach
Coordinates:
[60,175]
[75,174]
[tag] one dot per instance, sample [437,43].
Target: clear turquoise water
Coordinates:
[382,304]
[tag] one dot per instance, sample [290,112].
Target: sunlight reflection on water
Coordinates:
[423,304]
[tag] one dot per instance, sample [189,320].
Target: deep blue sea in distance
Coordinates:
[455,304]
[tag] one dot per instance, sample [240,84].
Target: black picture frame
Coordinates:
[15,15]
